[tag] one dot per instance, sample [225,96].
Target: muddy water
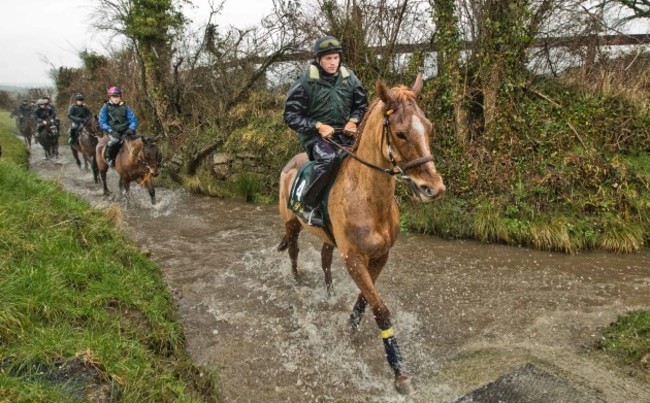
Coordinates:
[464,313]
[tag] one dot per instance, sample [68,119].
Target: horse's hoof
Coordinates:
[404,385]
[354,323]
[298,279]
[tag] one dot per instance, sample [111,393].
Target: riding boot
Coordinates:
[74,137]
[111,150]
[312,197]
[325,167]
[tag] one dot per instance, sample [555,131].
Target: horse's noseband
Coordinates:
[398,170]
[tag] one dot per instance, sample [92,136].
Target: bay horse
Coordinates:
[139,159]
[393,141]
[86,145]
[49,140]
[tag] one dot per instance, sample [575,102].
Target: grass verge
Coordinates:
[628,339]
[12,147]
[84,315]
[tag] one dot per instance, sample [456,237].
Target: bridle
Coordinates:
[146,162]
[398,170]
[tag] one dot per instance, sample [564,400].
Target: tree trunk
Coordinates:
[449,67]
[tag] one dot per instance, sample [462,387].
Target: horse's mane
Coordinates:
[399,95]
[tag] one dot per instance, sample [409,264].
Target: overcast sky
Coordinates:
[35,34]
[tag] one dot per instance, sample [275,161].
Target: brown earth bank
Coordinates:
[464,313]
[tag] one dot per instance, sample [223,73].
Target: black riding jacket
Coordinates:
[41,114]
[79,113]
[24,110]
[331,99]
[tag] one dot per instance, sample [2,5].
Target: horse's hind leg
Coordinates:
[326,263]
[93,165]
[102,174]
[357,311]
[292,229]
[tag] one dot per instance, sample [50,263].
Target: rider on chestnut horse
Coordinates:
[326,96]
[118,120]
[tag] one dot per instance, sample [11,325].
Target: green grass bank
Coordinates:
[84,315]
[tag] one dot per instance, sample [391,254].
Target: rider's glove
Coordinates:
[130,132]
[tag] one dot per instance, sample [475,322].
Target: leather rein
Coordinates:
[398,170]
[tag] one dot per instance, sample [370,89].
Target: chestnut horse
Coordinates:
[393,141]
[86,145]
[139,159]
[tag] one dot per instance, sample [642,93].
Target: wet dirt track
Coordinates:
[464,313]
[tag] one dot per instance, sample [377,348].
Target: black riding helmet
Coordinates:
[327,45]
[78,96]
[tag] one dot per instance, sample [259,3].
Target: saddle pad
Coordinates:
[299,187]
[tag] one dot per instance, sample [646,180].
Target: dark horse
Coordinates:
[139,159]
[86,145]
[393,142]
[49,139]
[27,127]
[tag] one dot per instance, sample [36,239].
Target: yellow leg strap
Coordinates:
[387,333]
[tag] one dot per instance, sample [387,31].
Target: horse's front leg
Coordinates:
[374,268]
[75,154]
[364,274]
[125,188]
[152,191]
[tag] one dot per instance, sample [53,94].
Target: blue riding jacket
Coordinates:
[117,117]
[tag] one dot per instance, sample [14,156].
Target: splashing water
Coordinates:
[464,313]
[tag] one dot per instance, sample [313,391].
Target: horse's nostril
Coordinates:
[426,190]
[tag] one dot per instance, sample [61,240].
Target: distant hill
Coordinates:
[20,89]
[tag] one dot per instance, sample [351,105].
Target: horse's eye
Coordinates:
[401,135]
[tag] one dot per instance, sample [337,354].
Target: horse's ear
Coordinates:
[418,85]
[383,92]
